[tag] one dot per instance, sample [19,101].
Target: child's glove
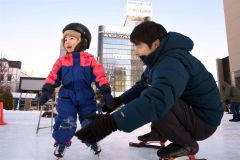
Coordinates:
[108,99]
[117,103]
[47,91]
[102,125]
[43,99]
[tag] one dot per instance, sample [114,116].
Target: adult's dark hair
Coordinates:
[147,32]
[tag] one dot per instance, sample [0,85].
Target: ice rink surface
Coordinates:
[19,141]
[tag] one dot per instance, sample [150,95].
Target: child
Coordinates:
[75,71]
[176,93]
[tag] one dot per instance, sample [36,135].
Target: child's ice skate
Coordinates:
[61,148]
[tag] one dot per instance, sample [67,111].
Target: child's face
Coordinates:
[70,42]
[142,49]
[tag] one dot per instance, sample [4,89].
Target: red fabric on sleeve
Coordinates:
[52,76]
[65,60]
[98,70]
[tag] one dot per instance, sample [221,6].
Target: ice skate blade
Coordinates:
[188,157]
[58,157]
[144,145]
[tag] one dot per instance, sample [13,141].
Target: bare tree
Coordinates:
[4,73]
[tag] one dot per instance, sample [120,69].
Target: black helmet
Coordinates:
[81,29]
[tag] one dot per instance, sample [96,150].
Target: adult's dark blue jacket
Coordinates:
[172,73]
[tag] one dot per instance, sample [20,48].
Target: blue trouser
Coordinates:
[234,108]
[65,121]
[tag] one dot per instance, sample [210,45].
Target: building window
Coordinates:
[9,77]
[1,77]
[122,67]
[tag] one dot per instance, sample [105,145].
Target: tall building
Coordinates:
[232,20]
[115,50]
[115,53]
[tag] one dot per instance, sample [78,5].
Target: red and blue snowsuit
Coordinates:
[75,72]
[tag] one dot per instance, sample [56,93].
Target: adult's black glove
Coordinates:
[47,91]
[107,109]
[108,99]
[117,103]
[102,125]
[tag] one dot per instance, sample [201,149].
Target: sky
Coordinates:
[20,141]
[31,30]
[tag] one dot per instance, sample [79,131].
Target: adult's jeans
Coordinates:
[234,108]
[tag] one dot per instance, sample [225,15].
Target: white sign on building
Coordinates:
[137,11]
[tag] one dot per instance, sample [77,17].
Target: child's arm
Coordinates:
[99,73]
[51,82]
[102,82]
[54,77]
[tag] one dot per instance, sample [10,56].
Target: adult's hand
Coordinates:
[117,103]
[102,125]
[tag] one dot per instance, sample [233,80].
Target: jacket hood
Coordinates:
[171,41]
[176,40]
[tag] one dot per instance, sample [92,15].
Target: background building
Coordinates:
[29,92]
[115,50]
[232,20]
[10,73]
[11,77]
[223,70]
[115,53]
[137,12]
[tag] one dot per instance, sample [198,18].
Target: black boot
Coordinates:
[152,136]
[174,150]
[60,150]
[236,118]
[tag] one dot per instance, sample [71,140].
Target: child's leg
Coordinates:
[65,121]
[88,109]
[94,146]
